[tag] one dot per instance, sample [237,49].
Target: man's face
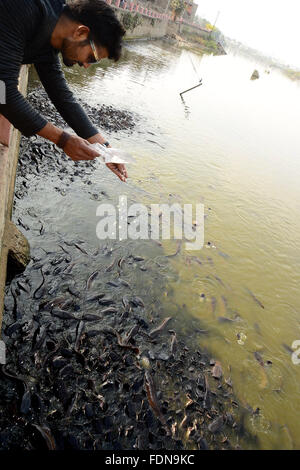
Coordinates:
[81,53]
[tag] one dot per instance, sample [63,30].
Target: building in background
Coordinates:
[190,10]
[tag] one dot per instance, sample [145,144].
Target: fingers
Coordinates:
[117,171]
[123,170]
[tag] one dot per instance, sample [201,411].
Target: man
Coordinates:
[34,32]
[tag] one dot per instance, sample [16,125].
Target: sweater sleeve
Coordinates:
[12,44]
[54,82]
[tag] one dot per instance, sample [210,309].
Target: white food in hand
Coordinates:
[113,155]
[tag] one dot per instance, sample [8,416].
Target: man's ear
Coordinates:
[81,33]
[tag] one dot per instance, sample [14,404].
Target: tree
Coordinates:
[209,26]
[177,6]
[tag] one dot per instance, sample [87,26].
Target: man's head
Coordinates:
[94,33]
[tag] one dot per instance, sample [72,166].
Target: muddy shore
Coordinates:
[91,363]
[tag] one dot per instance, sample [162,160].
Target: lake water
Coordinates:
[232,145]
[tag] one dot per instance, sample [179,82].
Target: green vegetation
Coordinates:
[292,74]
[207,45]
[130,21]
[177,6]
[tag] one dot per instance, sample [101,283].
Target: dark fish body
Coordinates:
[48,305]
[74,291]
[110,267]
[11,329]
[113,283]
[179,243]
[124,283]
[69,268]
[42,283]
[120,262]
[206,399]
[134,330]
[79,331]
[108,310]
[47,436]
[153,333]
[225,320]
[112,331]
[57,260]
[91,279]
[95,297]
[219,280]
[81,249]
[173,343]
[224,255]
[39,337]
[18,378]
[217,372]
[80,358]
[153,400]
[137,302]
[138,258]
[90,317]
[63,314]
[66,251]
[125,301]
[203,444]
[26,403]
[96,252]
[259,358]
[68,304]
[37,403]
[213,304]
[197,260]
[216,425]
[254,298]
[23,287]
[106,301]
[288,348]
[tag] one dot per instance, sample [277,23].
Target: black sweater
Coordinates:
[25,31]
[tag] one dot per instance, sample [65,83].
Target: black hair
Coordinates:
[106,30]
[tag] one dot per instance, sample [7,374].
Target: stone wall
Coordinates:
[14,248]
[139,26]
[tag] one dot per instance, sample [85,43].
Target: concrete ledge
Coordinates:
[13,245]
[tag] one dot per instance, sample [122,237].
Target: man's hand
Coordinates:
[118,169]
[76,148]
[79,149]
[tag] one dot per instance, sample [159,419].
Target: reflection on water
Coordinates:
[233,145]
[187,111]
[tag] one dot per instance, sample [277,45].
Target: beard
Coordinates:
[68,50]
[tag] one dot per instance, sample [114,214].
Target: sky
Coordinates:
[271,26]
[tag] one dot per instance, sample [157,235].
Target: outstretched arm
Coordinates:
[54,82]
